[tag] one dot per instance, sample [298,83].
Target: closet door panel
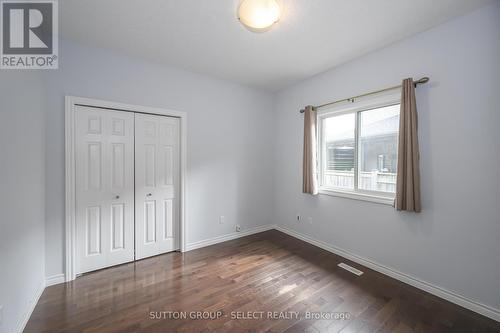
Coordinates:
[157,179]
[104,152]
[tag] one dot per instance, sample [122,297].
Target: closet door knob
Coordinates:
[117,197]
[149,194]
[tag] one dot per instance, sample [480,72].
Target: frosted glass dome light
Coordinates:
[259,15]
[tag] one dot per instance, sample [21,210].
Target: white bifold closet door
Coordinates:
[104,163]
[156,184]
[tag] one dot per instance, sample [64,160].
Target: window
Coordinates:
[358,147]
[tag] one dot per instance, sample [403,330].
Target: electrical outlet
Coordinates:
[222,219]
[310,220]
[238,228]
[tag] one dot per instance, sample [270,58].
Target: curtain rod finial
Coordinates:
[425,79]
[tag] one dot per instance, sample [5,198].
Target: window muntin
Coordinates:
[358,148]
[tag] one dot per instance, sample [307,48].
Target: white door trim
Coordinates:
[70,200]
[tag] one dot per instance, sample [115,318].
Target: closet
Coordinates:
[127,185]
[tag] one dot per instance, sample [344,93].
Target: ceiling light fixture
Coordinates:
[259,15]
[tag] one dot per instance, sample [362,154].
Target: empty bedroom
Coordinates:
[249,166]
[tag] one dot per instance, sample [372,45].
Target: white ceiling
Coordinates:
[204,35]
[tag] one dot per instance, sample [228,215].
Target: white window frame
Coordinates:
[356,107]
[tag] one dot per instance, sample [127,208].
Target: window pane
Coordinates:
[378,149]
[338,151]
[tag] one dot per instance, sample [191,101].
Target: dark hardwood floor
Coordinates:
[237,280]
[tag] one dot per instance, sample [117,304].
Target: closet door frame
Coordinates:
[71,102]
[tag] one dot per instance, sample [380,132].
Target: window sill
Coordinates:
[389,201]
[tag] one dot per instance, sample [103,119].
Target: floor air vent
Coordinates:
[350,269]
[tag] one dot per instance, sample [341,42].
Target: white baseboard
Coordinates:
[54,279]
[31,308]
[450,296]
[49,281]
[224,238]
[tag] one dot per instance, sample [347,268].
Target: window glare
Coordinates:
[375,115]
[339,127]
[339,151]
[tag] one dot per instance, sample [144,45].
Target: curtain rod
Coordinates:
[351,99]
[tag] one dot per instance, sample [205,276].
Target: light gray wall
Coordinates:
[229,138]
[22,204]
[454,242]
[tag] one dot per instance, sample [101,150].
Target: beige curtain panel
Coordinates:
[408,175]
[309,181]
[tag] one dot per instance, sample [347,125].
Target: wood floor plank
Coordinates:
[269,273]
